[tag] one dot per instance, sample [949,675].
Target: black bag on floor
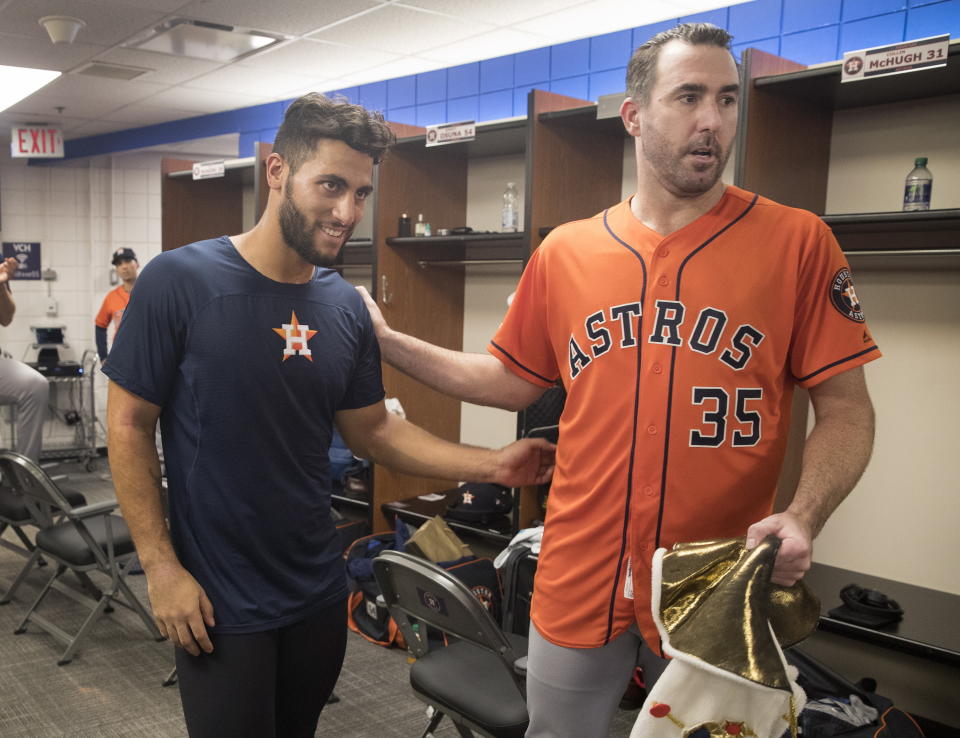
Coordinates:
[830,696]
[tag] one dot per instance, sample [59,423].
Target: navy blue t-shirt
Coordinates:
[249,373]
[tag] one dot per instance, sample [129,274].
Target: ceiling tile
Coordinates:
[318,59]
[400,30]
[604,16]
[297,17]
[485,46]
[398,68]
[88,97]
[497,12]
[165,68]
[202,101]
[141,114]
[19,51]
[251,81]
[108,22]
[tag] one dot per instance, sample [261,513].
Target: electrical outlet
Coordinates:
[51,307]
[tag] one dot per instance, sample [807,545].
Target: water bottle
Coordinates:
[509,217]
[916,190]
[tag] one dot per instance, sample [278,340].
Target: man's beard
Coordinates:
[672,168]
[298,235]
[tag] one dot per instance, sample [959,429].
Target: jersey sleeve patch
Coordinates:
[844,296]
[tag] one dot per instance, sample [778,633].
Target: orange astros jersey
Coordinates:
[112,308]
[679,356]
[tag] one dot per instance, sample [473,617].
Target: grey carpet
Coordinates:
[113,686]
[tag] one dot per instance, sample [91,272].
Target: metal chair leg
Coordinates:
[34,557]
[92,618]
[22,627]
[171,678]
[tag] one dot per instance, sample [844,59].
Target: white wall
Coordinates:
[80,212]
[901,520]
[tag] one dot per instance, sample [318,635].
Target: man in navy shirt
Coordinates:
[248,350]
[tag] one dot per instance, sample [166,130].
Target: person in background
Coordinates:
[125,262]
[21,385]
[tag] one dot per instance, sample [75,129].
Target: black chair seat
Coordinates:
[13,508]
[489,700]
[64,541]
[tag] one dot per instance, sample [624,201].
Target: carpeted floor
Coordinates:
[113,686]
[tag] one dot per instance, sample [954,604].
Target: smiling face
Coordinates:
[324,199]
[688,122]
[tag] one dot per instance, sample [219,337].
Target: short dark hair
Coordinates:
[314,116]
[642,68]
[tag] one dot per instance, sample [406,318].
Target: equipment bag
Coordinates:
[837,707]
[518,572]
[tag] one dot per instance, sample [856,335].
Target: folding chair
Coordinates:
[88,539]
[476,681]
[16,515]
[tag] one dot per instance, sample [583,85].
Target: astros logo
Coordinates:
[296,336]
[844,297]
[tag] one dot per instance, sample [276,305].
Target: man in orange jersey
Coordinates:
[125,262]
[679,322]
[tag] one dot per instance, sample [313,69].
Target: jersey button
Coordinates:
[657,369]
[648,491]
[663,281]
[652,430]
[663,252]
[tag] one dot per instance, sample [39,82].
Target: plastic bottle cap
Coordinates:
[403,215]
[420,218]
[920,162]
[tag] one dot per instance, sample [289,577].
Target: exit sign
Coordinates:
[41,142]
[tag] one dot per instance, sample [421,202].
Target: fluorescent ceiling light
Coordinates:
[202,40]
[17,83]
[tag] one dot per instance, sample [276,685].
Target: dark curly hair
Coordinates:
[314,116]
[641,71]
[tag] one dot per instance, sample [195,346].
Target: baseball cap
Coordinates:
[123,255]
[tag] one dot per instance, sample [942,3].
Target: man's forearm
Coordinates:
[835,455]
[476,378]
[136,477]
[407,448]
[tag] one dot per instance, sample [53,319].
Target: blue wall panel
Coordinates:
[755,20]
[807,31]
[431,86]
[717,17]
[932,20]
[401,92]
[870,32]
[463,108]
[495,105]
[463,80]
[531,67]
[610,50]
[855,9]
[496,74]
[810,47]
[567,60]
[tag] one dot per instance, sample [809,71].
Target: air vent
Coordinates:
[111,71]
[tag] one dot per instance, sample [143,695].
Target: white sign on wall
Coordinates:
[910,56]
[448,133]
[39,142]
[208,169]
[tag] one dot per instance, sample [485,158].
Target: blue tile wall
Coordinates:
[932,20]
[855,9]
[870,32]
[799,15]
[432,86]
[808,46]
[567,60]
[496,74]
[759,19]
[610,50]
[806,31]
[531,67]
[463,80]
